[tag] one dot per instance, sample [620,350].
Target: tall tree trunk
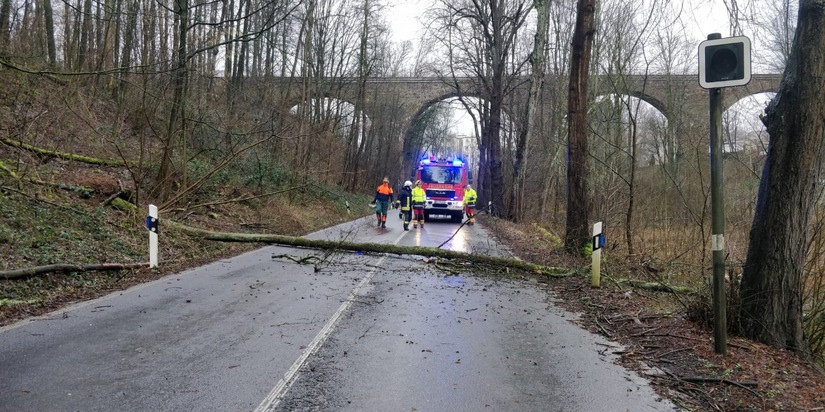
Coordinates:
[498,52]
[97,47]
[5,25]
[577,234]
[485,195]
[229,36]
[69,35]
[117,21]
[305,108]
[85,34]
[107,27]
[357,129]
[49,23]
[22,37]
[175,131]
[147,51]
[771,287]
[241,66]
[128,44]
[531,121]
[164,49]
[631,178]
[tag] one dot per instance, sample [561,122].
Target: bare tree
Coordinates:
[779,22]
[577,233]
[86,34]
[48,23]
[176,123]
[771,287]
[530,128]
[481,37]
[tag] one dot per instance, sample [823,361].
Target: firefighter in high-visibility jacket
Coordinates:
[470,199]
[404,203]
[419,196]
[383,198]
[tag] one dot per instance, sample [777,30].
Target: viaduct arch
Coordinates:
[678,97]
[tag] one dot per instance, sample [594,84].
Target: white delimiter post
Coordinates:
[597,257]
[153,239]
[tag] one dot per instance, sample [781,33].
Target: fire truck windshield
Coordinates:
[441,174]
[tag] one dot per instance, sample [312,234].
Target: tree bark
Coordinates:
[772,287]
[578,197]
[39,270]
[49,26]
[498,53]
[356,135]
[531,121]
[5,22]
[126,53]
[307,243]
[85,33]
[64,155]
[371,247]
[175,129]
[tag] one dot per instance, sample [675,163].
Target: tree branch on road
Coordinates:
[372,248]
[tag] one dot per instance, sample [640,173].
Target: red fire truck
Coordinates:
[443,180]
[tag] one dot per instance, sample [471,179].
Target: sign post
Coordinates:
[717,204]
[152,225]
[598,244]
[722,63]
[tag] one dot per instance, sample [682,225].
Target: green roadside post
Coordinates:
[717,202]
[722,63]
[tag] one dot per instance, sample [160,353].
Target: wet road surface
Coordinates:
[347,332]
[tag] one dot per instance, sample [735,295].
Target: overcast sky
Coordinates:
[704,16]
[710,17]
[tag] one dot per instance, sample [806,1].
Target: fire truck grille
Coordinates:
[441,193]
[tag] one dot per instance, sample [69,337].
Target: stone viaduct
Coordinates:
[413,95]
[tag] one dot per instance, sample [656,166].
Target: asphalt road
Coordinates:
[340,332]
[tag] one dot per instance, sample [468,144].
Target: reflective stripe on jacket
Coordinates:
[405,200]
[470,197]
[419,196]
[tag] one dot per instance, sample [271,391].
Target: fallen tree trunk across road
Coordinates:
[374,248]
[306,243]
[39,270]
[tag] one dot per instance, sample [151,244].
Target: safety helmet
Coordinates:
[386,180]
[407,184]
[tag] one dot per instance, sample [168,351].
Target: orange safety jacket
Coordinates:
[383,193]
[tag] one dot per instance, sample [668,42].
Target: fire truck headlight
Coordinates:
[459,204]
